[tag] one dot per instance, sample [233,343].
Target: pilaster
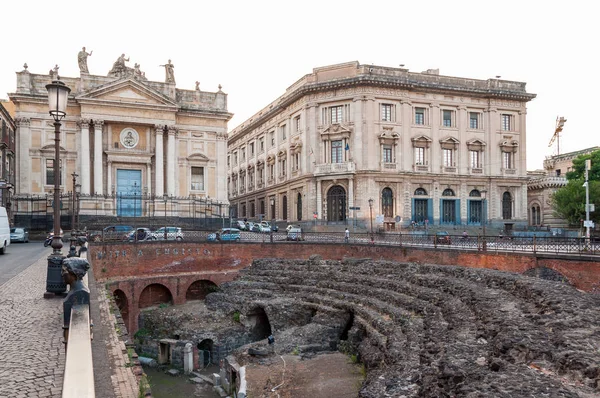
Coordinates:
[23,170]
[171,178]
[159,162]
[84,156]
[98,177]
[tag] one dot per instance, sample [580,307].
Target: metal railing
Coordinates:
[533,244]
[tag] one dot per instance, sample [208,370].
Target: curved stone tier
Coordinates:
[430,331]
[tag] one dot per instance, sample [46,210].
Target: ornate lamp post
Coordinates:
[371,216]
[483,217]
[58,94]
[77,204]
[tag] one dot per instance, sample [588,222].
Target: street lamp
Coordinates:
[371,216]
[483,217]
[273,218]
[77,204]
[58,94]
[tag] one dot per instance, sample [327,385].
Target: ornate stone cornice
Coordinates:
[546,182]
[98,123]
[83,122]
[23,122]
[172,130]
[159,128]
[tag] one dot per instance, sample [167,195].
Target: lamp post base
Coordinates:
[55,285]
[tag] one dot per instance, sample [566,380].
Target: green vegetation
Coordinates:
[296,351]
[236,316]
[569,201]
[143,332]
[144,386]
[163,305]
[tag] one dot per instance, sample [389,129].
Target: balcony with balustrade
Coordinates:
[334,168]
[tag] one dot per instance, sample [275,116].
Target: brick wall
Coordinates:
[133,267]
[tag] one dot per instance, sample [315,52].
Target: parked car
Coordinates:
[139,234]
[112,233]
[241,225]
[167,233]
[290,226]
[294,233]
[264,226]
[441,238]
[225,235]
[19,235]
[250,226]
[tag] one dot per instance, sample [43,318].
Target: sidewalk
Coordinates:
[32,355]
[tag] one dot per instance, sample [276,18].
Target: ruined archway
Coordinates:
[205,350]
[123,305]
[199,289]
[259,323]
[155,294]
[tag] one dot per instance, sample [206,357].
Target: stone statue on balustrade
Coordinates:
[169,72]
[82,60]
[54,73]
[119,68]
[138,74]
[73,271]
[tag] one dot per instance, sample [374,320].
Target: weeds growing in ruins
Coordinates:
[236,316]
[144,386]
[296,351]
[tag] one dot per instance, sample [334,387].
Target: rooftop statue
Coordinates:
[82,60]
[119,68]
[169,72]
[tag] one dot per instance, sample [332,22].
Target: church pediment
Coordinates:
[126,91]
[198,157]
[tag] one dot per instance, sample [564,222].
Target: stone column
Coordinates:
[351,197]
[23,166]
[171,161]
[435,152]
[159,163]
[109,182]
[319,201]
[84,156]
[149,178]
[406,154]
[98,180]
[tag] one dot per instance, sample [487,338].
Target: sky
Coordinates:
[256,49]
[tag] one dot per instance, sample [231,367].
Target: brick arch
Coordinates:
[154,294]
[122,302]
[198,289]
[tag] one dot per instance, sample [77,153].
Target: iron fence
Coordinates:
[550,245]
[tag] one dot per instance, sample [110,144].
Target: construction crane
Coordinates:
[560,123]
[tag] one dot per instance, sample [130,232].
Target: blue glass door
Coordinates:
[129,193]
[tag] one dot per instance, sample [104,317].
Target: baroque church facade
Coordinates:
[123,137]
[426,148]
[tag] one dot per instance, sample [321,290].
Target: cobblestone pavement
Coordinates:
[32,355]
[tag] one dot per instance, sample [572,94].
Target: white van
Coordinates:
[4,231]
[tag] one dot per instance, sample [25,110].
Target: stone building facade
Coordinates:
[123,136]
[544,183]
[7,157]
[426,148]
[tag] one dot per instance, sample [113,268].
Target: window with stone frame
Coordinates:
[448,155]
[475,120]
[50,174]
[296,161]
[228,161]
[272,138]
[387,112]
[419,156]
[475,159]
[235,158]
[508,160]
[251,177]
[261,144]
[297,124]
[336,114]
[283,130]
[387,154]
[337,151]
[243,154]
[251,149]
[506,122]
[271,171]
[420,115]
[252,209]
[448,118]
[197,179]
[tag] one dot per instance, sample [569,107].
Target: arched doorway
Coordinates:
[261,327]
[420,206]
[155,294]
[284,207]
[387,202]
[123,305]
[506,206]
[448,210]
[299,207]
[336,204]
[205,350]
[199,289]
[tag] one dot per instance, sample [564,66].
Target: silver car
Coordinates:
[19,235]
[167,233]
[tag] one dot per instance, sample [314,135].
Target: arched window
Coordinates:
[506,206]
[448,192]
[387,202]
[336,204]
[475,194]
[420,192]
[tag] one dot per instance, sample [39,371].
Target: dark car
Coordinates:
[112,233]
[441,238]
[139,234]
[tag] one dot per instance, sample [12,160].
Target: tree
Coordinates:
[569,201]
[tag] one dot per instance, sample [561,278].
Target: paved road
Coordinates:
[31,353]
[18,257]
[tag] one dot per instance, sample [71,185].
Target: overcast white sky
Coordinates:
[256,49]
